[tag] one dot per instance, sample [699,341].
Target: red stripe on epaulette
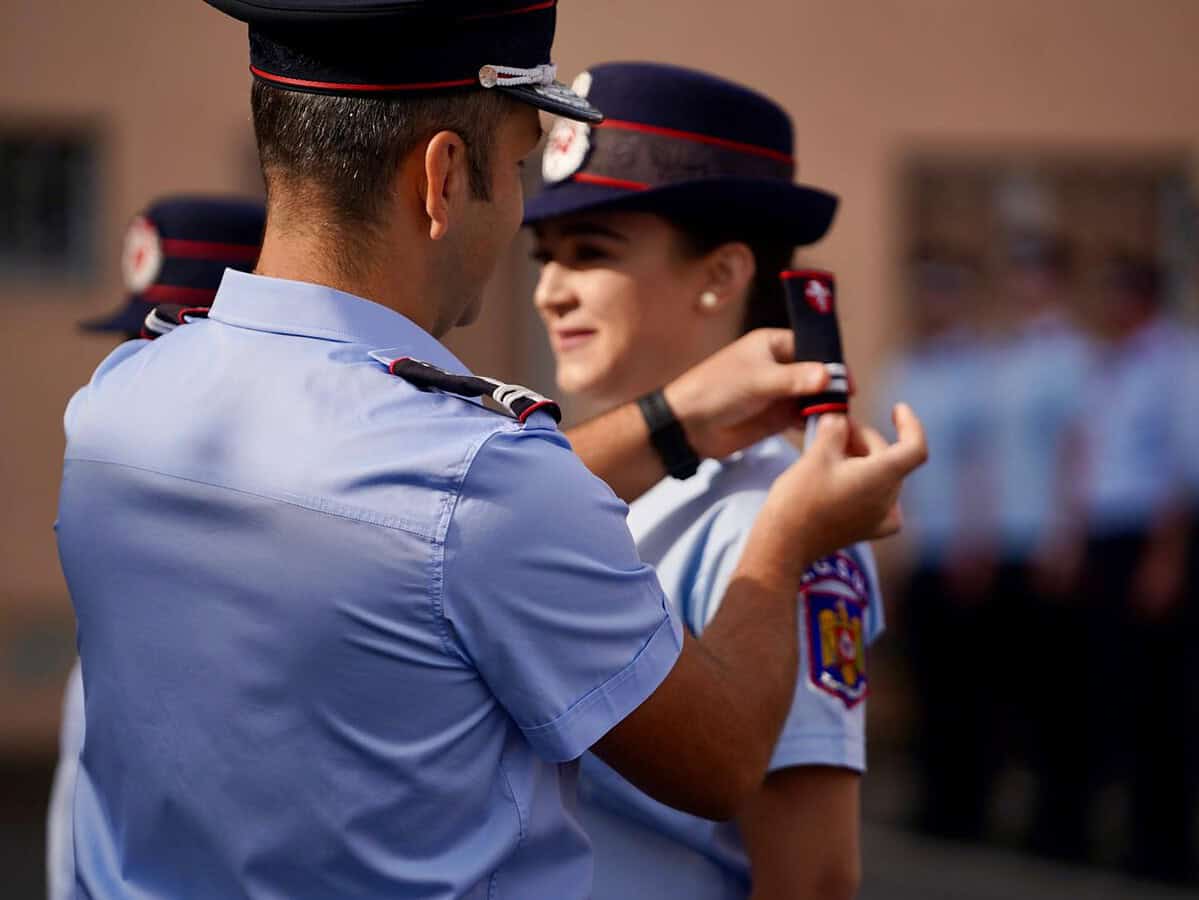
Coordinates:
[536,406]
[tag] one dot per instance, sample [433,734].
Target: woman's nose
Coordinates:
[552,295]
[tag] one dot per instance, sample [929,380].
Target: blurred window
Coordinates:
[48,202]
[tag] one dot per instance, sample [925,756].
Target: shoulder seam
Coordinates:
[320,506]
[450,505]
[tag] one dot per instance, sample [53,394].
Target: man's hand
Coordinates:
[743,393]
[844,489]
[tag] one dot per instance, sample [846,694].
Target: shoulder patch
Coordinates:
[834,598]
[519,402]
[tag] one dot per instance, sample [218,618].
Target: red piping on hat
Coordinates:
[339,86]
[169,293]
[804,273]
[605,181]
[210,250]
[752,149]
[549,4]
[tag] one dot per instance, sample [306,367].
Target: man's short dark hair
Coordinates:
[345,150]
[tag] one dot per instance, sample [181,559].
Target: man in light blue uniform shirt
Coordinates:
[177,249]
[695,556]
[1036,380]
[946,511]
[343,629]
[1134,503]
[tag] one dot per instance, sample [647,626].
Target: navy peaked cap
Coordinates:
[402,47]
[177,250]
[685,144]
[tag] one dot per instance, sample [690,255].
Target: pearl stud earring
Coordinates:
[709,300]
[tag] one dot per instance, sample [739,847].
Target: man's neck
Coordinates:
[393,280]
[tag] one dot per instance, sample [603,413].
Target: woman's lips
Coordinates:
[567,339]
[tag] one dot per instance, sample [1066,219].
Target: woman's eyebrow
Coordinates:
[585,228]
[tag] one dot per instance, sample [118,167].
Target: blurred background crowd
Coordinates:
[1017,251]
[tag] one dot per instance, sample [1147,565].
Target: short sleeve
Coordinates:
[545,595]
[826,724]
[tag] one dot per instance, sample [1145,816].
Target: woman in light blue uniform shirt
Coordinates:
[661,235]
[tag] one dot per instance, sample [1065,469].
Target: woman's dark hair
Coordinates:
[765,306]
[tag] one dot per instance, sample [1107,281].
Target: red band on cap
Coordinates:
[365,88]
[210,250]
[806,273]
[169,293]
[605,181]
[752,149]
[549,4]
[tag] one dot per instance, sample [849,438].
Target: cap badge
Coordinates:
[510,76]
[569,141]
[141,259]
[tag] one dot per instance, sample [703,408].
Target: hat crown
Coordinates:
[686,100]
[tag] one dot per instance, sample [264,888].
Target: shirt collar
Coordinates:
[279,306]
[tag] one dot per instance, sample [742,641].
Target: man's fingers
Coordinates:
[865,441]
[793,380]
[832,437]
[910,449]
[779,341]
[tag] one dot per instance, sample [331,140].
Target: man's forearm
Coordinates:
[616,447]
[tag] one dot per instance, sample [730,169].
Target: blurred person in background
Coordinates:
[662,234]
[175,252]
[946,508]
[1037,372]
[1131,583]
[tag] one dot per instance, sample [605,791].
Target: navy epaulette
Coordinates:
[520,402]
[166,317]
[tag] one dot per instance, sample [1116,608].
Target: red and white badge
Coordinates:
[566,147]
[141,259]
[819,294]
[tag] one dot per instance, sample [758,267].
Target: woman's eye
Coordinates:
[587,253]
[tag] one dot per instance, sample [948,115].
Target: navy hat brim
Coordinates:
[762,207]
[128,320]
[557,99]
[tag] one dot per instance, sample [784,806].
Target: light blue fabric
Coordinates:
[1188,412]
[693,532]
[1134,453]
[60,838]
[340,637]
[945,381]
[1035,395]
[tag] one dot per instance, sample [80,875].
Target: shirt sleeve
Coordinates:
[545,595]
[821,728]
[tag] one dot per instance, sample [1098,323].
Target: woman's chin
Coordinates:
[582,382]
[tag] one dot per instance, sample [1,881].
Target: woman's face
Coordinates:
[620,301]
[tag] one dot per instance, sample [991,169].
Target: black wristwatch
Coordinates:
[667,436]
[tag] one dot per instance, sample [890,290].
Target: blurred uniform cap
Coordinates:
[405,47]
[176,252]
[684,144]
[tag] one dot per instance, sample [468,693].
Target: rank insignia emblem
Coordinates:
[835,619]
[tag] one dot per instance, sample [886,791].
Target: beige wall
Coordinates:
[866,80]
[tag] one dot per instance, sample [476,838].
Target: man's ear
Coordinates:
[729,270]
[446,181]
